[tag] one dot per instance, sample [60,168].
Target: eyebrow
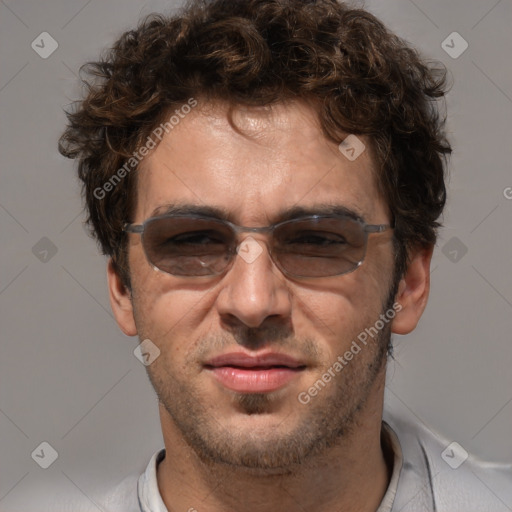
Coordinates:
[283,215]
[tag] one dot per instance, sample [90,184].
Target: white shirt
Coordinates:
[421,481]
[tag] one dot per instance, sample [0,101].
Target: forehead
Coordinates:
[255,163]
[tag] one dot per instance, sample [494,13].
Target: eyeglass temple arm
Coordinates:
[133,228]
[377,228]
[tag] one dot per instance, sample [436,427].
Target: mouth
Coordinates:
[261,373]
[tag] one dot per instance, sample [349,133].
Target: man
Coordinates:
[266,177]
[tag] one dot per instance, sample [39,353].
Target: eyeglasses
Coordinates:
[312,246]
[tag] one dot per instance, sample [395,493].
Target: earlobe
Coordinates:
[413,291]
[120,301]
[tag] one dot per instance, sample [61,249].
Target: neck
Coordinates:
[353,475]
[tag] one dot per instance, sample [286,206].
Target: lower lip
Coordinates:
[249,380]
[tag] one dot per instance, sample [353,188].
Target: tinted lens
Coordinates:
[185,246]
[320,247]
[313,247]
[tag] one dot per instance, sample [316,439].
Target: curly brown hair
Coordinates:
[362,79]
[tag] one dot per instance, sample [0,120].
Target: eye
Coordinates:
[320,239]
[197,238]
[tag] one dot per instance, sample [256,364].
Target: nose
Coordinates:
[253,289]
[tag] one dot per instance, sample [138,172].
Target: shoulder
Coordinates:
[136,492]
[440,475]
[121,497]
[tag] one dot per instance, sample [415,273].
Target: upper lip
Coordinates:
[244,360]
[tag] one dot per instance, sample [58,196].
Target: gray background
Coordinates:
[69,376]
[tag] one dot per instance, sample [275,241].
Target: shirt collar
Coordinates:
[391,443]
[150,499]
[148,493]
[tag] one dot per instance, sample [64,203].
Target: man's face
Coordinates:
[280,160]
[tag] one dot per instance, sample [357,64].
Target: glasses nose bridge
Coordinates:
[238,244]
[238,230]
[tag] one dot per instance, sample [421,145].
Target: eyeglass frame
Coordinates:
[237,229]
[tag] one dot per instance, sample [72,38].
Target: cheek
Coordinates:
[167,314]
[337,313]
[336,317]
[171,314]
[160,304]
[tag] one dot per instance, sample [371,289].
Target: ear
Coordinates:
[120,301]
[413,291]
